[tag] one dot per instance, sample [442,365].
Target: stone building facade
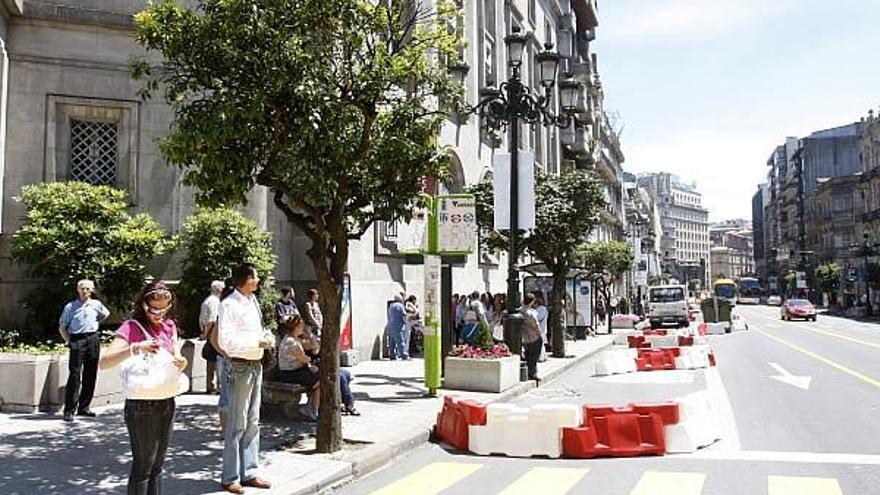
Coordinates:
[684,242]
[70,111]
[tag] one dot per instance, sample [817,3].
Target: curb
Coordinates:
[376,456]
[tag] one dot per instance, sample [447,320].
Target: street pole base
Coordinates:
[514,326]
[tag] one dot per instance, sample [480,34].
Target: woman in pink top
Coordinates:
[148,421]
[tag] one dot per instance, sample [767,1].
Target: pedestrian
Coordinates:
[397,328]
[78,327]
[531,338]
[312,347]
[149,422]
[241,336]
[313,317]
[295,366]
[208,325]
[285,307]
[474,318]
[459,315]
[542,315]
[413,319]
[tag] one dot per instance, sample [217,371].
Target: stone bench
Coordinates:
[285,396]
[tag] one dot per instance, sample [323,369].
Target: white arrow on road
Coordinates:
[801,382]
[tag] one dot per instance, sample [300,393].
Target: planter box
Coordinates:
[481,375]
[27,385]
[34,383]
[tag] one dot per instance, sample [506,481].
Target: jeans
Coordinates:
[345,388]
[85,349]
[223,384]
[149,428]
[399,348]
[533,352]
[242,442]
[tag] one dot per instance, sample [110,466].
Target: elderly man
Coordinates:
[78,327]
[397,327]
[241,336]
[208,325]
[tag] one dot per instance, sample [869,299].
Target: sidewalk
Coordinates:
[41,454]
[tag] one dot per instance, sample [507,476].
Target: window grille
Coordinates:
[93,152]
[390,233]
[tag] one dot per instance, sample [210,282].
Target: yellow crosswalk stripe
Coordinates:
[546,481]
[431,479]
[669,483]
[802,485]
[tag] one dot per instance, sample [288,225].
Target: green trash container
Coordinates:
[708,307]
[725,308]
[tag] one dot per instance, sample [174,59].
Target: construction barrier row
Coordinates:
[579,432]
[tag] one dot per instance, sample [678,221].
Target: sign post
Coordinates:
[452,230]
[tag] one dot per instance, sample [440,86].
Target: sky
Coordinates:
[706,89]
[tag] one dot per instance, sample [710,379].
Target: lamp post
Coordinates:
[503,108]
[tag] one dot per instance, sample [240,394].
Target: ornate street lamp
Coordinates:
[503,108]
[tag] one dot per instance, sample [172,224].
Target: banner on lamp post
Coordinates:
[525,190]
[456,224]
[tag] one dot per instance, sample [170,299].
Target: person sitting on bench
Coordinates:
[294,366]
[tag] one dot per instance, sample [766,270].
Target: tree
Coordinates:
[215,240]
[790,282]
[828,277]
[567,209]
[74,230]
[334,105]
[694,284]
[607,261]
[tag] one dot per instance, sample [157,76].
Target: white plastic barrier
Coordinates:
[719,328]
[523,432]
[692,357]
[659,341]
[697,425]
[621,335]
[738,323]
[616,361]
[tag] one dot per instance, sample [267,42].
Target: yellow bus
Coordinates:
[725,289]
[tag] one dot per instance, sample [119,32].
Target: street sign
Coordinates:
[456,224]
[412,236]
[525,190]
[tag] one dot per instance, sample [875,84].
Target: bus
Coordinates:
[749,290]
[725,289]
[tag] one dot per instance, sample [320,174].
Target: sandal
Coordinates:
[351,411]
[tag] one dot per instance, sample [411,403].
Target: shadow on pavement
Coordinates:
[92,456]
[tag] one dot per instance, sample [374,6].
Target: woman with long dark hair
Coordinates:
[150,328]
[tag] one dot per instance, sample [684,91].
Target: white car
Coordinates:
[774,301]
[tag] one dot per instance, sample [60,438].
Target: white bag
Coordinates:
[153,376]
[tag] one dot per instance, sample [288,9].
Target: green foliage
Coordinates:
[658,279]
[74,230]
[215,240]
[828,276]
[567,210]
[15,342]
[694,284]
[790,281]
[610,259]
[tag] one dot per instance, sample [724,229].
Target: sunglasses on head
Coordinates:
[156,311]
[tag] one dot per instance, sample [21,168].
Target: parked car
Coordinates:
[798,308]
[774,301]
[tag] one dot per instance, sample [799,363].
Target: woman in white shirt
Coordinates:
[294,366]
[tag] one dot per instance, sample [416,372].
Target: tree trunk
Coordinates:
[329,270]
[556,322]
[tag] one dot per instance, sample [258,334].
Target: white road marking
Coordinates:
[778,456]
[801,382]
[724,411]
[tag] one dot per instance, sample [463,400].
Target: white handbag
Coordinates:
[147,376]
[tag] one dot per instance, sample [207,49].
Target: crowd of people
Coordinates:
[236,348]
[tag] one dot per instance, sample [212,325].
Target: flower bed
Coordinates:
[472,352]
[491,369]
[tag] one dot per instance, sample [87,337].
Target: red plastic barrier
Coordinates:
[657,359]
[703,329]
[685,341]
[711,359]
[655,331]
[637,342]
[629,431]
[454,418]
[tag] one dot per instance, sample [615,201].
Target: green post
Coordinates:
[433,359]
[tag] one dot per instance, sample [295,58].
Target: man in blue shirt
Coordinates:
[78,327]
[397,328]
